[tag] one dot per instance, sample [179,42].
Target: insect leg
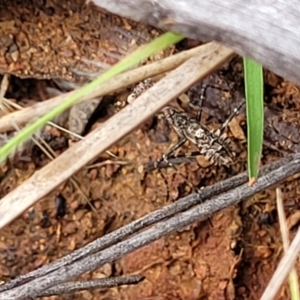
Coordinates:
[203,97]
[169,152]
[231,116]
[165,158]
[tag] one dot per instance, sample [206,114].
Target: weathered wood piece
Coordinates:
[266,31]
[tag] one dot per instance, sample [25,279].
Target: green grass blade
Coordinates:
[253,75]
[129,61]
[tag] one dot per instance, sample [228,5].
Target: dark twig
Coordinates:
[199,212]
[133,227]
[104,283]
[152,165]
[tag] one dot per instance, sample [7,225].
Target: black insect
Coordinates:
[45,221]
[61,206]
[213,144]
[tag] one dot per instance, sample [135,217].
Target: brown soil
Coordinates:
[234,259]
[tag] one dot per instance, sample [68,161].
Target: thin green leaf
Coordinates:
[129,61]
[253,75]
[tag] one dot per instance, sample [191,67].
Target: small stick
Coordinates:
[293,277]
[122,123]
[103,283]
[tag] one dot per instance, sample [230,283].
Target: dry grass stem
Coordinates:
[133,115]
[24,116]
[293,277]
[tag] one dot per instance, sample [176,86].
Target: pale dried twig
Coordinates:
[284,267]
[293,277]
[133,115]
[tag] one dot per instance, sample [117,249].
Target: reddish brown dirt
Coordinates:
[234,259]
[61,39]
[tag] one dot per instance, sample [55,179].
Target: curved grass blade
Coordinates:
[129,61]
[253,75]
